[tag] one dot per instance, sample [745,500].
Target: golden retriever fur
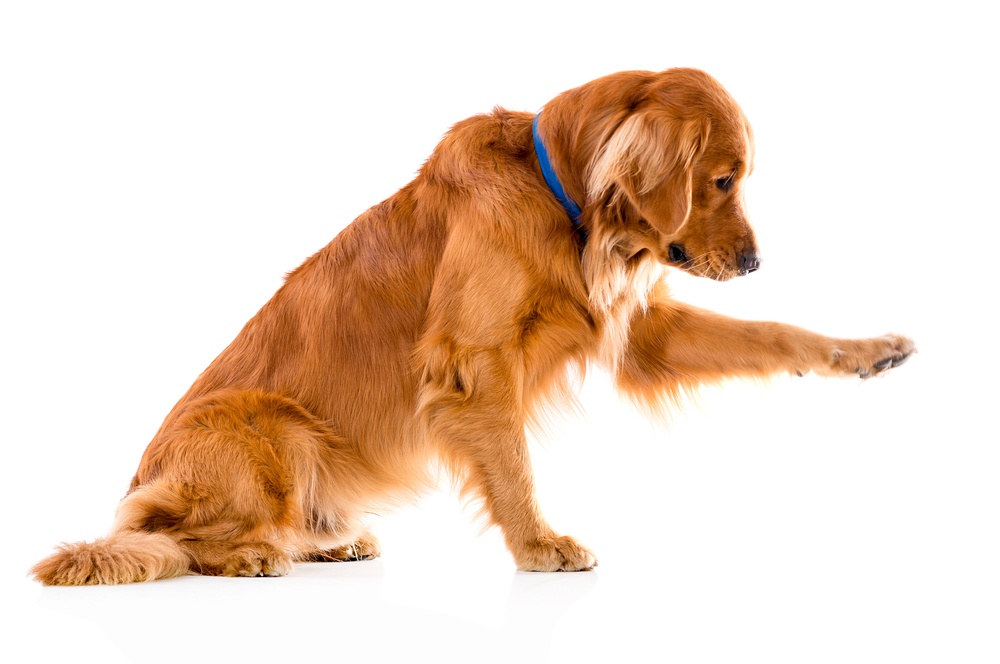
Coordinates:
[433,328]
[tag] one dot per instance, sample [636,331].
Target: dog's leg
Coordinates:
[365,547]
[673,345]
[236,558]
[474,414]
[243,480]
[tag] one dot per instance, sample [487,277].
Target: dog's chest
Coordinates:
[616,296]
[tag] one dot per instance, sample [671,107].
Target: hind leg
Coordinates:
[243,479]
[236,558]
[365,548]
[233,480]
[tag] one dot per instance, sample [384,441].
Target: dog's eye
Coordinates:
[724,183]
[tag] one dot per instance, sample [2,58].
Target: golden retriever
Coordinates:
[433,328]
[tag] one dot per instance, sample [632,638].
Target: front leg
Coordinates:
[474,415]
[674,346]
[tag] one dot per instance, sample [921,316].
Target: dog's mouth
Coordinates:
[712,265]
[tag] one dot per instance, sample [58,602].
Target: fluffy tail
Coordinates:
[123,557]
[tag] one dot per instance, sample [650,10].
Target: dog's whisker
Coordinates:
[698,263]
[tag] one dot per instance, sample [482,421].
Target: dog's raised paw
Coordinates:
[871,357]
[555,554]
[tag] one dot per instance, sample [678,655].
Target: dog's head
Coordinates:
[672,158]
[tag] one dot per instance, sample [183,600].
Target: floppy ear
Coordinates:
[649,159]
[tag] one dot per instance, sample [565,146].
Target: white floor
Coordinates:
[805,521]
[162,170]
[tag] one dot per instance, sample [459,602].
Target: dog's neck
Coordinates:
[555,186]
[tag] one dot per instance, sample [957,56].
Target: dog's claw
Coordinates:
[883,364]
[891,362]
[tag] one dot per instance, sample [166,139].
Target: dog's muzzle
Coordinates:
[746,262]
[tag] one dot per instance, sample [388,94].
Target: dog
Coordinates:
[438,324]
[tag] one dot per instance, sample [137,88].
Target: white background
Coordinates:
[163,165]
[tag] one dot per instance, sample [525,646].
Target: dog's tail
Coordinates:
[136,550]
[124,557]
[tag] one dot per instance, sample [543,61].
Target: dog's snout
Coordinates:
[749,261]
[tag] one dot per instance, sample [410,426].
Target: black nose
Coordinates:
[749,261]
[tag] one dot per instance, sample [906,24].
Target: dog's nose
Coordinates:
[749,261]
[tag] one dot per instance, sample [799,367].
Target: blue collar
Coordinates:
[572,209]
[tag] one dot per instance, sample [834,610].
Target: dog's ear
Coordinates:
[649,159]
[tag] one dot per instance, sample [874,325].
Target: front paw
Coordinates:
[554,554]
[870,357]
